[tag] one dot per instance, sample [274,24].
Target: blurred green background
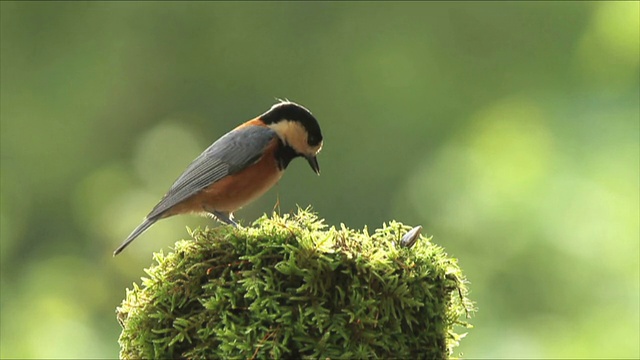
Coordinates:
[510,131]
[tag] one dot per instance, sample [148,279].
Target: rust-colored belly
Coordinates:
[237,190]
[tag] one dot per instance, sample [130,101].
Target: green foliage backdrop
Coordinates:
[509,130]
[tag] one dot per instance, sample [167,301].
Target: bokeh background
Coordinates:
[509,130]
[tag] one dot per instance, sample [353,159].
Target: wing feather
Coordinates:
[231,153]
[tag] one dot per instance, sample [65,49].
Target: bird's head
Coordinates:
[297,128]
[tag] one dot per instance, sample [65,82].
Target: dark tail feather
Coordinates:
[137,232]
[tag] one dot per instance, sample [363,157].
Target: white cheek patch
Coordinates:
[294,135]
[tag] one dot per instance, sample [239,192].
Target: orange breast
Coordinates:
[252,122]
[237,190]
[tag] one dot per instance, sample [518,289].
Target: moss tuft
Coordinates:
[290,287]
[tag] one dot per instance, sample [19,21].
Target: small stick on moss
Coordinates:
[264,340]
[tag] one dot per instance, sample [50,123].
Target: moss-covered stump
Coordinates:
[289,287]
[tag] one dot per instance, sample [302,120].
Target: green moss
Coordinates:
[289,287]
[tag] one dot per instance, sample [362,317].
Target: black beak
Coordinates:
[313,162]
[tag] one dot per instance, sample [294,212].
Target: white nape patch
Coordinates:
[283,101]
[286,101]
[295,135]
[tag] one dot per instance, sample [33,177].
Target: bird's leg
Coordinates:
[224,217]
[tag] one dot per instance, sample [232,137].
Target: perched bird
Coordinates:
[240,166]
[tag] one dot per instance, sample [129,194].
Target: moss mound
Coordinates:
[289,287]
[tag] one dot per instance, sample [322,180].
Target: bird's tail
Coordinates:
[137,232]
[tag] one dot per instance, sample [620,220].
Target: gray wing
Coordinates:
[231,153]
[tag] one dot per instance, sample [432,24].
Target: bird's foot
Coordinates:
[224,217]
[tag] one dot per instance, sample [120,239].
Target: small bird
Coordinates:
[240,166]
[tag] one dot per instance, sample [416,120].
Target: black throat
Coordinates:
[284,155]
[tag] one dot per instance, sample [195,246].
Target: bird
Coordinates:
[240,166]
